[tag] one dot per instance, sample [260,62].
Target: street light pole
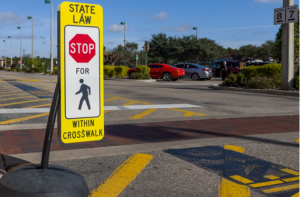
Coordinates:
[123,23]
[51,48]
[196,28]
[5,53]
[30,17]
[10,51]
[20,48]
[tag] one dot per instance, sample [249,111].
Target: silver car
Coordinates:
[195,71]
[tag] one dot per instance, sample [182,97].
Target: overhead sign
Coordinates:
[286,15]
[80,116]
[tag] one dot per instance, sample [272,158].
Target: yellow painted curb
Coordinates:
[122,176]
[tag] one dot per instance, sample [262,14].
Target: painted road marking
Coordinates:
[237,167]
[271,177]
[130,103]
[290,171]
[297,140]
[122,176]
[268,183]
[110,99]
[22,119]
[186,113]
[239,149]
[38,106]
[107,108]
[12,94]
[228,188]
[241,179]
[16,98]
[291,179]
[296,195]
[23,102]
[283,188]
[189,113]
[106,112]
[143,114]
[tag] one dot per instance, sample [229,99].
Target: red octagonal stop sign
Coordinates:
[82,48]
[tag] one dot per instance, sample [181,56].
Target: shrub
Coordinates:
[141,69]
[109,71]
[232,80]
[240,79]
[268,70]
[296,82]
[140,76]
[2,68]
[263,83]
[18,69]
[121,71]
[54,70]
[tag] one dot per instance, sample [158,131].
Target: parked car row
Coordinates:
[169,72]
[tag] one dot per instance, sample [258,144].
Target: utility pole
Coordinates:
[123,23]
[30,17]
[287,52]
[5,52]
[10,52]
[20,48]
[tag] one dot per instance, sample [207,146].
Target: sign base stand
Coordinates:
[32,181]
[44,179]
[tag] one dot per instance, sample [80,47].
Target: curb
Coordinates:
[259,91]
[2,168]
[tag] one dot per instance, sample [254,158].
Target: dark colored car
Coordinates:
[232,67]
[257,63]
[166,72]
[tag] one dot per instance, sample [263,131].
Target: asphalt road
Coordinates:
[195,167]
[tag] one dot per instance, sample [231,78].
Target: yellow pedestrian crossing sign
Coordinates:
[80,116]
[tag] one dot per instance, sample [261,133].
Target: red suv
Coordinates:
[232,67]
[166,72]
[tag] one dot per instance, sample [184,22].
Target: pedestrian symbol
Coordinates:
[84,90]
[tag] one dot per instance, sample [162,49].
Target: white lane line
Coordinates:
[108,108]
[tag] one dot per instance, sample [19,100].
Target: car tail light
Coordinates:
[206,69]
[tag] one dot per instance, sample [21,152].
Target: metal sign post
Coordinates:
[286,16]
[146,49]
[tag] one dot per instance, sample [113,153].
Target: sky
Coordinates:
[231,23]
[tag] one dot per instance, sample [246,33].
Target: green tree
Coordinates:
[126,55]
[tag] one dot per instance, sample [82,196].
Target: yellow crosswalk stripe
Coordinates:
[122,176]
[290,171]
[110,99]
[188,113]
[16,98]
[13,94]
[228,188]
[296,195]
[239,149]
[291,179]
[143,114]
[271,177]
[22,119]
[39,105]
[283,188]
[131,103]
[6,104]
[241,179]
[268,183]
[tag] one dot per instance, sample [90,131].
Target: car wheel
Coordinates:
[175,79]
[130,75]
[167,77]
[195,77]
